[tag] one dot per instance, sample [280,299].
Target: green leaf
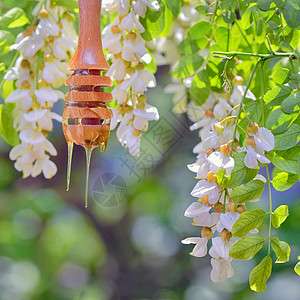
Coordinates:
[253,111]
[250,191]
[291,13]
[187,65]
[247,221]
[71,5]
[280,215]
[260,274]
[7,130]
[174,7]
[297,268]
[15,17]
[291,104]
[281,76]
[278,121]
[199,30]
[285,160]
[282,180]
[288,139]
[265,4]
[154,22]
[276,95]
[6,40]
[200,89]
[189,46]
[239,175]
[281,249]
[246,248]
[295,78]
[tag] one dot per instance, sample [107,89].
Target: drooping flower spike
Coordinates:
[86,119]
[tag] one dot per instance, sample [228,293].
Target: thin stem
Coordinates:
[270,205]
[228,37]
[215,11]
[281,24]
[243,35]
[242,101]
[270,45]
[262,92]
[9,67]
[264,56]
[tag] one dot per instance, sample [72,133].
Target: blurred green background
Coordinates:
[126,244]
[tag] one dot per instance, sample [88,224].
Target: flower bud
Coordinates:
[204,200]
[140,105]
[136,132]
[225,235]
[43,13]
[25,64]
[207,232]
[250,142]
[238,80]
[218,207]
[42,83]
[232,207]
[69,17]
[129,70]
[211,177]
[131,36]
[218,127]
[209,114]
[115,29]
[241,209]
[140,66]
[226,148]
[25,85]
[253,127]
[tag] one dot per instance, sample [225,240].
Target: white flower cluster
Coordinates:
[166,52]
[213,211]
[43,49]
[126,48]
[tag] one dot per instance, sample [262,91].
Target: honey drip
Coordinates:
[86,119]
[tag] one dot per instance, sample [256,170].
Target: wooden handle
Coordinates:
[89,53]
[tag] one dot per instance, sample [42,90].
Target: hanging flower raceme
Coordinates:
[44,48]
[127,50]
[214,210]
[166,52]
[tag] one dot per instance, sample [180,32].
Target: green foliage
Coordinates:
[288,139]
[16,17]
[247,221]
[246,248]
[7,130]
[283,180]
[154,22]
[250,191]
[174,6]
[260,274]
[281,249]
[187,66]
[291,13]
[278,121]
[6,39]
[285,160]
[297,268]
[276,95]
[280,215]
[239,175]
[291,104]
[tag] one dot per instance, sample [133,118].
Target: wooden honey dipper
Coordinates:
[86,119]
